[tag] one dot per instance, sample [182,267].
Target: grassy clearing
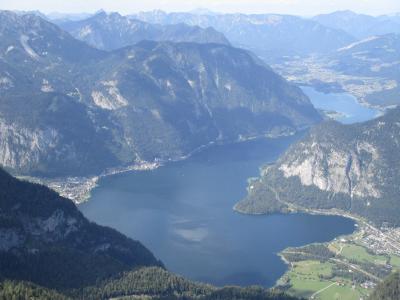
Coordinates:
[358,253]
[304,277]
[395,261]
[313,268]
[305,281]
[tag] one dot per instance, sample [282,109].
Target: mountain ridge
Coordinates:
[90,110]
[112,31]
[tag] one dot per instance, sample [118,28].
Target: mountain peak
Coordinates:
[202,11]
[100,12]
[345,12]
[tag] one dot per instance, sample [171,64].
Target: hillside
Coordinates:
[46,240]
[112,31]
[24,290]
[146,283]
[359,25]
[373,56]
[376,57]
[389,289]
[68,109]
[354,168]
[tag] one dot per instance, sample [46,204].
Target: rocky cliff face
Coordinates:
[32,145]
[350,167]
[69,109]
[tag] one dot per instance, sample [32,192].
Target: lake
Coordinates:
[349,109]
[183,213]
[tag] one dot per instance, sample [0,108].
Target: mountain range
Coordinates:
[270,36]
[67,108]
[352,168]
[113,31]
[105,91]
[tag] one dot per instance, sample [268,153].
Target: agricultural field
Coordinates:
[307,280]
[342,269]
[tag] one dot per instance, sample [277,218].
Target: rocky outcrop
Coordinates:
[336,170]
[355,168]
[22,147]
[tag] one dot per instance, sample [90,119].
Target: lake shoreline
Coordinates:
[78,189]
[358,222]
[362,225]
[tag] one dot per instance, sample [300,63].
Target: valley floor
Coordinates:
[317,72]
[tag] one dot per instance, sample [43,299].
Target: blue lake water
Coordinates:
[347,105]
[183,213]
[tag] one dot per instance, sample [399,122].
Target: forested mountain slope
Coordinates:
[389,289]
[46,240]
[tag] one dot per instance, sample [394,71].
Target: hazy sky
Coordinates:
[298,7]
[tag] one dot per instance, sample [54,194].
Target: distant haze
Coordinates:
[296,7]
